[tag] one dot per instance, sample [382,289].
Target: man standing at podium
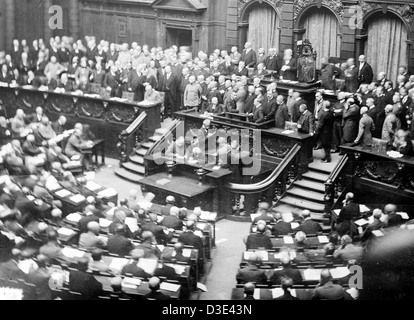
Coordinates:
[249,56]
[289,66]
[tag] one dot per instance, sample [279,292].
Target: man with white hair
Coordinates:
[365,74]
[288,70]
[172,221]
[251,272]
[308,226]
[192,94]
[366,128]
[349,251]
[249,56]
[90,240]
[261,56]
[381,78]
[391,124]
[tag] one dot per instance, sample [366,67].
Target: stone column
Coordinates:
[47,31]
[10,26]
[74,19]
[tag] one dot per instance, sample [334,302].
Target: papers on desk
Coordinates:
[104,223]
[216,168]
[179,269]
[353,292]
[74,217]
[148,265]
[198,233]
[337,211]
[63,193]
[159,219]
[73,164]
[254,216]
[107,193]
[66,231]
[323,239]
[186,253]
[209,216]
[263,255]
[160,247]
[403,215]
[111,212]
[394,154]
[72,253]
[278,292]
[132,223]
[256,294]
[410,227]
[339,272]
[31,198]
[53,186]
[131,283]
[169,287]
[18,240]
[163,182]
[288,240]
[288,132]
[364,208]
[93,186]
[202,287]
[287,217]
[361,222]
[4,84]
[371,219]
[312,274]
[201,225]
[77,198]
[27,265]
[117,264]
[378,233]
[294,225]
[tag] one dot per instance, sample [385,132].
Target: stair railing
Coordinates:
[270,189]
[134,130]
[335,185]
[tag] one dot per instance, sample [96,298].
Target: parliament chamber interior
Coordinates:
[206,150]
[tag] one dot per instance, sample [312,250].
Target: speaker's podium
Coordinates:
[192,184]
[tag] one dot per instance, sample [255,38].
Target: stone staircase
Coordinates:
[309,192]
[134,169]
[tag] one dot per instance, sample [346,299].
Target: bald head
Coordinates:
[93,227]
[137,254]
[174,211]
[390,208]
[154,283]
[249,288]
[326,276]
[306,214]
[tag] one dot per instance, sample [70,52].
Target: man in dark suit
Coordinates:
[9,270]
[351,76]
[251,272]
[249,104]
[40,278]
[118,243]
[272,61]
[165,271]
[324,131]
[282,113]
[241,70]
[350,121]
[306,122]
[155,294]
[281,228]
[84,283]
[338,111]
[258,114]
[375,225]
[172,221]
[365,74]
[171,86]
[59,125]
[327,290]
[132,269]
[249,56]
[389,92]
[249,291]
[287,272]
[270,106]
[394,219]
[308,226]
[169,203]
[298,101]
[287,285]
[350,211]
[259,239]
[112,82]
[189,238]
[179,254]
[264,214]
[288,70]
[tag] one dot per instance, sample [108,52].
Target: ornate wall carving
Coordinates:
[242,4]
[335,5]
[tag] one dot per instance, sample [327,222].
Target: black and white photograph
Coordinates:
[206,153]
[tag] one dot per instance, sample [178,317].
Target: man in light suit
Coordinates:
[249,56]
[288,70]
[366,127]
[306,123]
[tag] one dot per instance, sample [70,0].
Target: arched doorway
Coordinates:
[262,26]
[322,28]
[386,46]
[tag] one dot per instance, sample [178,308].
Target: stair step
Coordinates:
[317,166]
[311,185]
[128,175]
[316,175]
[306,194]
[137,159]
[161,131]
[155,138]
[141,152]
[147,145]
[135,168]
[304,204]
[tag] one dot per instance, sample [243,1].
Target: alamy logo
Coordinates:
[357,18]
[56,20]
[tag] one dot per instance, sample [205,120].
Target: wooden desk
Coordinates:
[107,117]
[266,294]
[97,148]
[313,242]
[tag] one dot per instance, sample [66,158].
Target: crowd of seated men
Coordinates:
[346,244]
[31,218]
